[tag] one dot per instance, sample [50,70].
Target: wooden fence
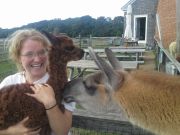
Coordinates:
[97,42]
[103,124]
[95,126]
[165,61]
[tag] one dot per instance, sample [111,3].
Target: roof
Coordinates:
[124,8]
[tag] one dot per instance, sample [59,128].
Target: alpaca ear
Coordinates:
[51,37]
[113,60]
[113,77]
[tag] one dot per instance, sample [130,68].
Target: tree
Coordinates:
[84,26]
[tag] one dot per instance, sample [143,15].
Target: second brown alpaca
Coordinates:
[15,105]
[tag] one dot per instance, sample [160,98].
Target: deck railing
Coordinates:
[165,61]
[87,123]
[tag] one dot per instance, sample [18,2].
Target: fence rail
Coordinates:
[97,42]
[111,123]
[165,62]
[104,127]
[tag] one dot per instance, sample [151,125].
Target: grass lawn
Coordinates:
[6,68]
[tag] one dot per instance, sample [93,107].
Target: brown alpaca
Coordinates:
[15,105]
[150,100]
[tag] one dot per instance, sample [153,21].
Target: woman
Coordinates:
[28,49]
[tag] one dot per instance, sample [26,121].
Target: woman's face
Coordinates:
[34,58]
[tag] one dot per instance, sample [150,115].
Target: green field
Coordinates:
[6,68]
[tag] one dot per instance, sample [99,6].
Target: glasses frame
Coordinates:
[31,55]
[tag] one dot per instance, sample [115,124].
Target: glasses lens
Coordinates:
[42,53]
[31,55]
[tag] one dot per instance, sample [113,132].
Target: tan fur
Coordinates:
[172,48]
[152,101]
[102,94]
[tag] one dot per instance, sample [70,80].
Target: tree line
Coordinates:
[73,27]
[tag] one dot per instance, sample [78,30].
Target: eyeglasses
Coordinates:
[31,55]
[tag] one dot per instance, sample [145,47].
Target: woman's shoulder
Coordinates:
[13,79]
[17,77]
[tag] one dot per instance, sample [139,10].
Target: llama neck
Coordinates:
[151,101]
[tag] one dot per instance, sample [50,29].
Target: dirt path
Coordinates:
[149,61]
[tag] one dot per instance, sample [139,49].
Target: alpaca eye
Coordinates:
[90,89]
[69,48]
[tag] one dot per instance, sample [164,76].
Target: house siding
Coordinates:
[167,15]
[149,8]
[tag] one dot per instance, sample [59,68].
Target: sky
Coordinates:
[15,13]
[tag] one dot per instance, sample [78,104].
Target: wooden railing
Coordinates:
[165,61]
[87,123]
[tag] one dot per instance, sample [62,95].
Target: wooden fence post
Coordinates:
[90,40]
[80,41]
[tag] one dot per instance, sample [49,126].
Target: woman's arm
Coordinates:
[19,129]
[60,122]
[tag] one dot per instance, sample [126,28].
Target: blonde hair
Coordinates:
[15,42]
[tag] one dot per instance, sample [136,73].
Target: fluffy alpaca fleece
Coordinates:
[15,105]
[148,99]
[172,49]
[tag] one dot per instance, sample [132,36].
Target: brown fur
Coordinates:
[15,105]
[150,100]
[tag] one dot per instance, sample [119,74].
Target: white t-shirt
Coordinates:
[20,78]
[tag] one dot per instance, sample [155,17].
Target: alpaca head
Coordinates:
[95,92]
[63,50]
